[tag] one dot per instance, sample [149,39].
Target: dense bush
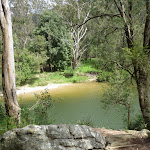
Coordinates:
[56,33]
[104,76]
[69,73]
[137,123]
[26,64]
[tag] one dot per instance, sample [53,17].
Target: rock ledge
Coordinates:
[52,137]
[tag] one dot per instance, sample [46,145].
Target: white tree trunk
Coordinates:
[8,66]
[78,35]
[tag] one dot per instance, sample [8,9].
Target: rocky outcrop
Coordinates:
[52,137]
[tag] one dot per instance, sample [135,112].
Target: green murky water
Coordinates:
[81,102]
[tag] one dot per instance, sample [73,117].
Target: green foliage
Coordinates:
[137,123]
[6,123]
[88,67]
[69,72]
[2,112]
[44,102]
[55,31]
[116,95]
[37,114]
[136,53]
[26,117]
[104,76]
[38,46]
[119,77]
[3,120]
[26,63]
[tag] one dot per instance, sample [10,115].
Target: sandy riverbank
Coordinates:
[26,89]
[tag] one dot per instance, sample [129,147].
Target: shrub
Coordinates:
[37,114]
[40,109]
[137,123]
[6,123]
[104,76]
[26,118]
[26,64]
[69,73]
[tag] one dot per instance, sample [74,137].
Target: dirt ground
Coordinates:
[125,140]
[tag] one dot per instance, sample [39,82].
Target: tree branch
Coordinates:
[123,67]
[118,8]
[98,16]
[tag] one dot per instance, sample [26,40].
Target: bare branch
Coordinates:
[82,35]
[83,48]
[118,8]
[98,16]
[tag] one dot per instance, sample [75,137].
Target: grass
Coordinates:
[58,77]
[88,67]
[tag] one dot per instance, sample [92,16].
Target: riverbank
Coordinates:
[27,89]
[86,70]
[45,78]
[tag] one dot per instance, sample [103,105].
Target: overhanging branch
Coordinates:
[98,16]
[124,68]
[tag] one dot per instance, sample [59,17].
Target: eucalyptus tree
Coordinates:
[139,55]
[133,19]
[25,16]
[78,34]
[8,66]
[76,12]
[22,21]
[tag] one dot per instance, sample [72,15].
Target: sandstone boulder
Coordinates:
[52,137]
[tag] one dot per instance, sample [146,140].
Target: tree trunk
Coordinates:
[74,63]
[140,66]
[141,77]
[8,66]
[141,71]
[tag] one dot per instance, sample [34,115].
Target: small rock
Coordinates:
[144,133]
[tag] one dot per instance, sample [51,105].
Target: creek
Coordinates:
[81,103]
